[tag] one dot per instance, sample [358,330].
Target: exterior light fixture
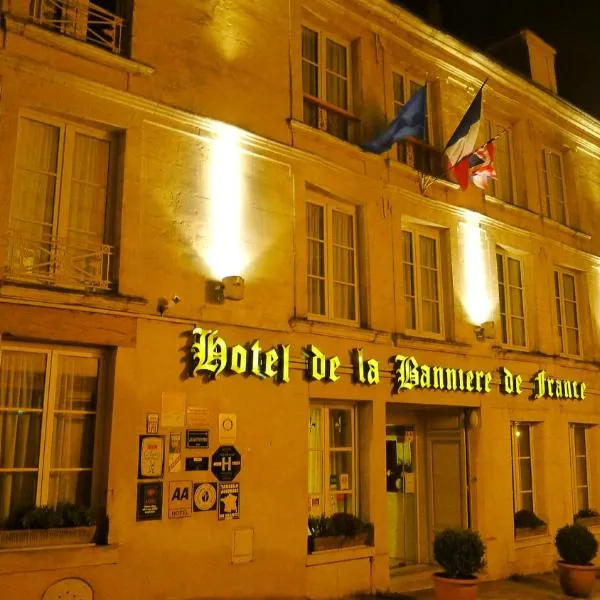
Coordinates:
[230,288]
[485,331]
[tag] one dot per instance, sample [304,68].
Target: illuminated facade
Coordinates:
[420,359]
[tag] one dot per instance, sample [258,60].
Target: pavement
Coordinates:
[526,587]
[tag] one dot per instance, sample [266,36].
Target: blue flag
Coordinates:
[409,122]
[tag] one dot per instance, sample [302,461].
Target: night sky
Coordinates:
[572,28]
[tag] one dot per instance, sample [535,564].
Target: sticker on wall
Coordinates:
[196,463]
[152,423]
[175,462]
[229,501]
[205,497]
[196,416]
[180,499]
[149,501]
[151,456]
[197,438]
[173,409]
[227,428]
[226,463]
[344,481]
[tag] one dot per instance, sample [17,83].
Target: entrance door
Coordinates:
[400,450]
[447,480]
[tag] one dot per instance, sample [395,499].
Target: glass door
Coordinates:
[401,485]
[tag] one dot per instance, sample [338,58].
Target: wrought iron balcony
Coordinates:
[83,21]
[422,157]
[52,260]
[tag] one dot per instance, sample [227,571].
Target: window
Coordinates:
[99,23]
[510,294]
[567,320]
[522,457]
[502,186]
[332,272]
[332,485]
[553,181]
[49,426]
[579,467]
[62,211]
[326,84]
[422,282]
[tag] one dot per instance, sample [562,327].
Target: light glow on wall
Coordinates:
[225,254]
[476,299]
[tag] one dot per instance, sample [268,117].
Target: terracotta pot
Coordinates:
[577,580]
[454,589]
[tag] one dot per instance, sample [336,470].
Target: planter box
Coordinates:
[525,532]
[35,538]
[335,542]
[588,521]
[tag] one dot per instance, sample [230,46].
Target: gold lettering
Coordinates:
[357,357]
[372,371]
[518,382]
[568,391]
[478,377]
[255,358]
[237,359]
[332,364]
[506,381]
[461,384]
[316,363]
[270,363]
[539,384]
[575,392]
[582,388]
[469,384]
[209,352]
[451,379]
[284,363]
[438,378]
[425,377]
[488,382]
[558,391]
[405,372]
[549,384]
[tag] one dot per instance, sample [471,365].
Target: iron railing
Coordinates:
[83,21]
[59,261]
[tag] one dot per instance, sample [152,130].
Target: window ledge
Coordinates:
[326,557]
[401,338]
[319,134]
[26,560]
[397,165]
[337,330]
[565,228]
[509,206]
[75,47]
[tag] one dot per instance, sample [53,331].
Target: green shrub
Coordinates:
[527,519]
[587,513]
[65,514]
[576,544]
[338,524]
[459,552]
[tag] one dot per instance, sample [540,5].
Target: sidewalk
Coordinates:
[530,587]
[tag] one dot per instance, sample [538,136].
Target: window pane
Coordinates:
[398,83]
[526,501]
[518,331]
[310,45]
[572,341]
[428,253]
[583,500]
[71,487]
[73,441]
[315,452]
[579,437]
[316,296]
[20,435]
[581,470]
[22,379]
[569,287]
[77,383]
[17,492]
[523,441]
[310,69]
[431,316]
[336,58]
[341,469]
[525,475]
[340,428]
[344,302]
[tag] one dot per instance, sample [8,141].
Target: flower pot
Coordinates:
[35,538]
[577,580]
[447,588]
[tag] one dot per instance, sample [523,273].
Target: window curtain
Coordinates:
[343,266]
[22,382]
[315,233]
[517,309]
[74,426]
[315,461]
[430,302]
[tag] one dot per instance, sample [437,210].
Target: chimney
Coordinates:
[529,54]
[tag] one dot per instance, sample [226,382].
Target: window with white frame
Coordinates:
[567,318]
[580,467]
[409,152]
[422,281]
[554,186]
[332,268]
[326,84]
[50,418]
[511,301]
[62,215]
[523,466]
[332,472]
[502,186]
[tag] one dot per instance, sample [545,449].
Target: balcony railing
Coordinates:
[83,21]
[330,118]
[422,157]
[52,260]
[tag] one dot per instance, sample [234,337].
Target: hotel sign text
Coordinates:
[212,356]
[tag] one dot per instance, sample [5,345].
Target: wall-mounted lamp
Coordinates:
[486,331]
[164,304]
[230,288]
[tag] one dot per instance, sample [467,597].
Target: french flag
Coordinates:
[463,141]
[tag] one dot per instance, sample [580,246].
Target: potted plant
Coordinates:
[460,553]
[340,530]
[527,523]
[577,547]
[46,526]
[588,517]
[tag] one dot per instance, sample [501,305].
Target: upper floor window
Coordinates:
[100,23]
[523,467]
[332,473]
[510,294]
[580,467]
[51,411]
[554,186]
[502,186]
[62,213]
[326,84]
[422,281]
[567,319]
[332,268]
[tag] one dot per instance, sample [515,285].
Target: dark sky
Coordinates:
[572,27]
